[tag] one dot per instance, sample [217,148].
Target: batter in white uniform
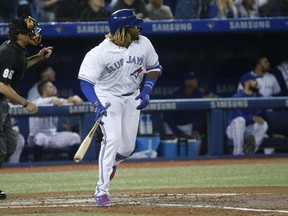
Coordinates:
[112,72]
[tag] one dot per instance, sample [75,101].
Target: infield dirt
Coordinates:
[266,201]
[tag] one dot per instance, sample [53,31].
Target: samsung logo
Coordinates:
[81,109]
[18,111]
[253,24]
[84,29]
[171,27]
[162,106]
[229,104]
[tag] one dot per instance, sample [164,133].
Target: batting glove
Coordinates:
[145,94]
[99,110]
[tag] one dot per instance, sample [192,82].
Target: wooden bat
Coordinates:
[87,141]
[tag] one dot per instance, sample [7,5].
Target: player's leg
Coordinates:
[8,140]
[111,130]
[64,139]
[130,122]
[259,132]
[235,131]
[15,157]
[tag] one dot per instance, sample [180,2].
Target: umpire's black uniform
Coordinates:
[13,61]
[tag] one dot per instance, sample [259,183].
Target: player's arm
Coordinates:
[89,92]
[150,80]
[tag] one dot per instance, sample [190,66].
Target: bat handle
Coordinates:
[107,105]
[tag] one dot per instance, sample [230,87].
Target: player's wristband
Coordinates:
[26,104]
[149,84]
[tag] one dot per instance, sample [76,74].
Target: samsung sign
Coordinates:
[229,104]
[92,29]
[250,24]
[172,27]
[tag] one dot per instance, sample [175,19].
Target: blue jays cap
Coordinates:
[189,75]
[247,76]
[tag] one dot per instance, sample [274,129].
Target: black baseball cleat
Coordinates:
[3,195]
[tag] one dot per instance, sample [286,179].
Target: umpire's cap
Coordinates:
[123,18]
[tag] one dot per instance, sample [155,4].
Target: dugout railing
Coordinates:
[215,108]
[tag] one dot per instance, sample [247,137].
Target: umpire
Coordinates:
[23,31]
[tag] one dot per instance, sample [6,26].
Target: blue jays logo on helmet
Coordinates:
[123,18]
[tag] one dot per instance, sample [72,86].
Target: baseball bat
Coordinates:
[87,141]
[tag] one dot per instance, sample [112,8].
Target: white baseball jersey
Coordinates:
[283,67]
[116,73]
[118,70]
[33,93]
[267,84]
[43,130]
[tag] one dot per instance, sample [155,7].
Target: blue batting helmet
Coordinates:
[123,18]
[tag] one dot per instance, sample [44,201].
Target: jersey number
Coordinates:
[8,74]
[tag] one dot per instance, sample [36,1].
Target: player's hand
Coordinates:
[258,120]
[32,108]
[99,110]
[145,97]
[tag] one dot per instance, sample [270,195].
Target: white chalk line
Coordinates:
[77,201]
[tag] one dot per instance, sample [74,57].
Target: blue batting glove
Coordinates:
[99,110]
[144,96]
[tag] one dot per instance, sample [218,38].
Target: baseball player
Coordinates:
[267,82]
[43,130]
[246,123]
[23,31]
[112,72]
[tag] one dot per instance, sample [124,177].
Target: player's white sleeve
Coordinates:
[276,86]
[152,60]
[91,67]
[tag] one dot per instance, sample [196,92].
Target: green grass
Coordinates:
[246,175]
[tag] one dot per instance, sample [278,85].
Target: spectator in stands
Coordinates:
[138,6]
[248,8]
[222,9]
[246,124]
[69,10]
[185,123]
[43,132]
[7,10]
[46,10]
[24,8]
[267,82]
[274,8]
[158,11]
[281,74]
[95,11]
[46,74]
[191,9]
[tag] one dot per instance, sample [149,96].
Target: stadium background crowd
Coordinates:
[99,10]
